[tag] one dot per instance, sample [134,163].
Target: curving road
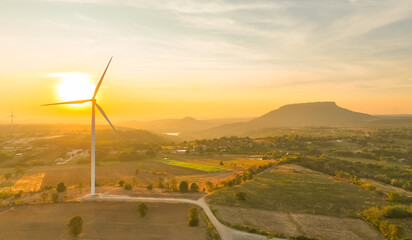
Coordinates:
[225,232]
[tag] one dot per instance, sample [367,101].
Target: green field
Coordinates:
[286,190]
[196,166]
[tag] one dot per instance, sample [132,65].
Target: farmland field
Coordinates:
[139,173]
[300,192]
[302,201]
[295,224]
[101,220]
[196,166]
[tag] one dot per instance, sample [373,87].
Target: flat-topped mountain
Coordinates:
[315,114]
[311,114]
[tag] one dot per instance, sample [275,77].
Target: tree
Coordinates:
[209,186]
[161,183]
[128,186]
[61,187]
[55,197]
[121,183]
[241,196]
[44,196]
[7,176]
[136,171]
[221,163]
[183,187]
[149,187]
[194,187]
[245,176]
[394,197]
[142,209]
[19,170]
[75,226]
[193,217]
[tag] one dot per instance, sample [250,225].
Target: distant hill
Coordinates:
[184,125]
[311,114]
[316,114]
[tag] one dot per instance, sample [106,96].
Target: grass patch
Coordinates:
[196,166]
[288,191]
[211,230]
[108,163]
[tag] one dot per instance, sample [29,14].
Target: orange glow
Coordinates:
[74,86]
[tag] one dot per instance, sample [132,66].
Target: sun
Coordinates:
[74,86]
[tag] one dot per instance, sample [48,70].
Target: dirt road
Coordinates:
[225,232]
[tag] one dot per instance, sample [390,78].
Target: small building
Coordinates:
[256,157]
[181,151]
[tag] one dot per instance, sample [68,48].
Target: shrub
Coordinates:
[8,175]
[194,187]
[75,226]
[61,187]
[55,197]
[149,187]
[193,217]
[161,183]
[397,211]
[128,186]
[142,209]
[44,196]
[209,186]
[394,197]
[183,187]
[301,238]
[241,196]
[6,194]
[121,183]
[221,163]
[18,194]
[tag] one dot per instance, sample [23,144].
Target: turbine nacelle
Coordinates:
[93,100]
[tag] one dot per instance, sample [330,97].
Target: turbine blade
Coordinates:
[70,102]
[101,80]
[104,115]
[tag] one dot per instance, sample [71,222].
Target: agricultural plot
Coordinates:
[286,190]
[295,224]
[101,220]
[150,171]
[301,200]
[191,165]
[387,188]
[31,183]
[111,174]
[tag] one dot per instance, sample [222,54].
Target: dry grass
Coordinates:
[101,220]
[387,188]
[289,224]
[288,189]
[30,183]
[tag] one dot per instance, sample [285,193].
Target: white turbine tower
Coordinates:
[12,118]
[93,140]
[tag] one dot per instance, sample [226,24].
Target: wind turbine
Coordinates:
[93,139]
[12,118]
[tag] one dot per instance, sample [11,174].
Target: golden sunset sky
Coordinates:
[204,59]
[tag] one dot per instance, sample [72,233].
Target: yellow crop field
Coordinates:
[31,183]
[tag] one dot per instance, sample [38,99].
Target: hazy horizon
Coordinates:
[207,60]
